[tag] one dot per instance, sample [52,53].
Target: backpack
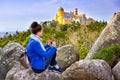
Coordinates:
[24,60]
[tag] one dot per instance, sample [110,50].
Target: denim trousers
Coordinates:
[48,61]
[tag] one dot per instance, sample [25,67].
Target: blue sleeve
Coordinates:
[46,46]
[38,49]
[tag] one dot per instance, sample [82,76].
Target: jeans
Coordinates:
[48,61]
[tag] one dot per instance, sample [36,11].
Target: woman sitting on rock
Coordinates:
[41,57]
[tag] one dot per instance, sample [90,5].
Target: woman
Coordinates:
[41,57]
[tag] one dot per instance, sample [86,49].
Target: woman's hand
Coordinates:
[54,43]
[50,42]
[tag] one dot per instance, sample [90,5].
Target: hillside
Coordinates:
[81,35]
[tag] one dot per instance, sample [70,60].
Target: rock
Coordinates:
[116,71]
[88,70]
[67,55]
[15,74]
[1,53]
[109,36]
[10,55]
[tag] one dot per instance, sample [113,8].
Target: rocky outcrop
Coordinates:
[116,71]
[81,70]
[66,55]
[88,70]
[18,73]
[15,74]
[110,35]
[9,57]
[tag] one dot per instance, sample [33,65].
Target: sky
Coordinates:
[19,14]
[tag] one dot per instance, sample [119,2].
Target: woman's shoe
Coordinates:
[54,69]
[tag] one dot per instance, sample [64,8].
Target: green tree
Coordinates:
[64,27]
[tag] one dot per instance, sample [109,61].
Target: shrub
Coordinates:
[64,27]
[83,53]
[26,41]
[59,35]
[3,43]
[109,54]
[96,26]
[82,49]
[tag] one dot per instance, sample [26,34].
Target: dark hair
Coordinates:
[35,27]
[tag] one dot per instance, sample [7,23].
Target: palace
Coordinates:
[67,17]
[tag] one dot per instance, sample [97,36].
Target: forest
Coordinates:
[81,35]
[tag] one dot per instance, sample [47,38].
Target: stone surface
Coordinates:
[116,71]
[110,35]
[88,70]
[1,53]
[67,55]
[15,74]
[10,55]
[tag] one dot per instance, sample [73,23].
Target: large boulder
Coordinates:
[116,71]
[88,70]
[109,36]
[15,74]
[67,55]
[9,57]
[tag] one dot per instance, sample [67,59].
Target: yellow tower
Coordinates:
[60,15]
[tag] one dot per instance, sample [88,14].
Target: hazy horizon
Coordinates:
[3,33]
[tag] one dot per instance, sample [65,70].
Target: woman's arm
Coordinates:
[47,46]
[38,49]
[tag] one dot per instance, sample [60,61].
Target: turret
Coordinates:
[60,12]
[76,11]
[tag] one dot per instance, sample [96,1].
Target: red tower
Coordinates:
[76,11]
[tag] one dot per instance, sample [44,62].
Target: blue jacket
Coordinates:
[37,55]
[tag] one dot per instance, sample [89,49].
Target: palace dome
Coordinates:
[60,9]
